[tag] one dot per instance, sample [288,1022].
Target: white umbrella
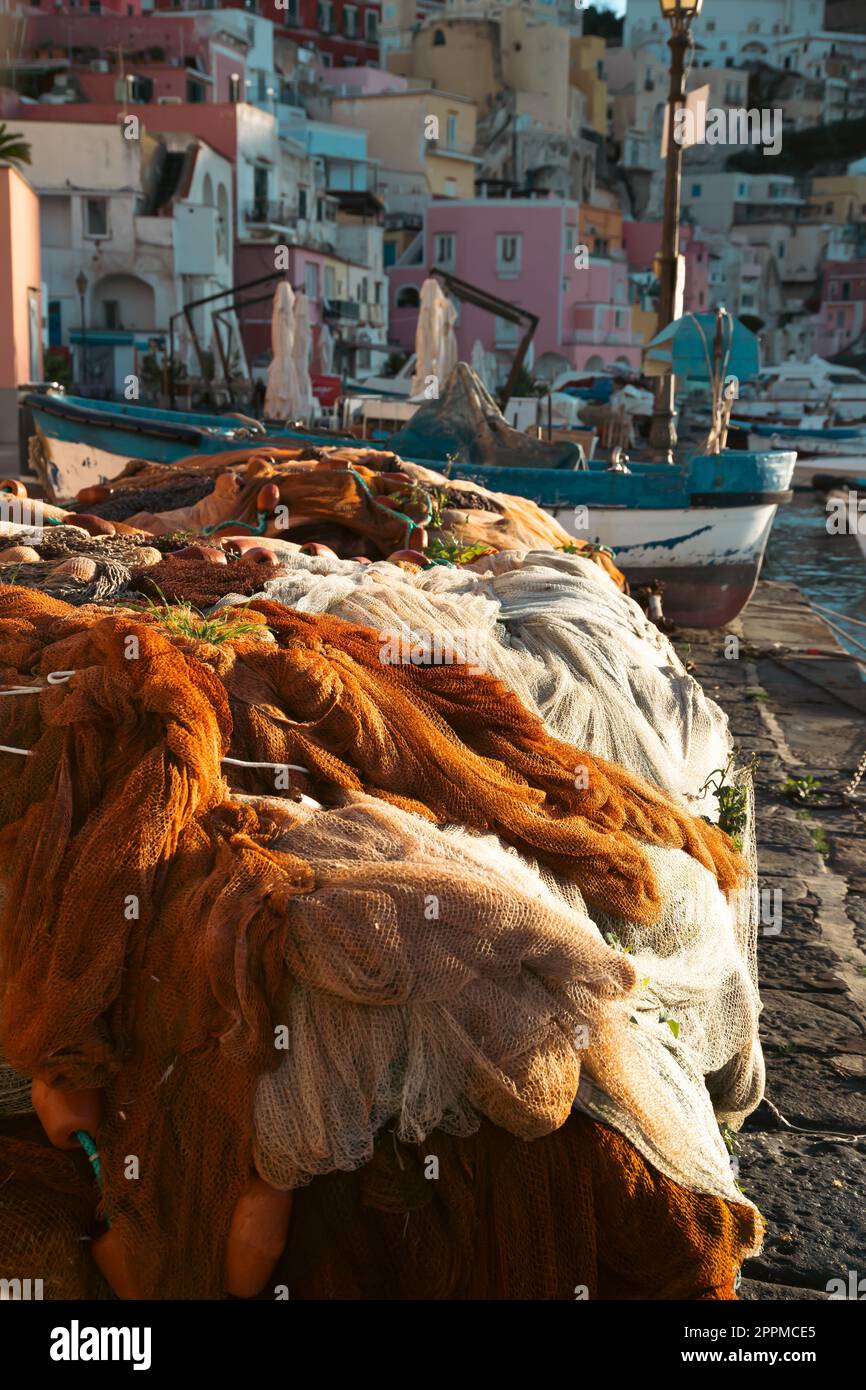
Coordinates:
[435,340]
[481,365]
[302,351]
[326,350]
[281,397]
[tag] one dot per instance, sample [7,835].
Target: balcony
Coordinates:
[264,212]
[346,310]
[456,149]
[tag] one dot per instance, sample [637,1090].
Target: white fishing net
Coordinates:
[554,629]
[433,977]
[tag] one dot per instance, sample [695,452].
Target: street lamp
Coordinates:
[679,14]
[81,283]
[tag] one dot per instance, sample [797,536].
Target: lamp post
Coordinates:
[679,13]
[81,283]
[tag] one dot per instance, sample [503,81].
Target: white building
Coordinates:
[146,221]
[727,32]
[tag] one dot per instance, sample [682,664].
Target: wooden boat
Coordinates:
[700,527]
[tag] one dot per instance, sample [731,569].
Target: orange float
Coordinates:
[257,1237]
[62,1112]
[115,1264]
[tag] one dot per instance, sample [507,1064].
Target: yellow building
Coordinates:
[839,198]
[421,132]
[587,73]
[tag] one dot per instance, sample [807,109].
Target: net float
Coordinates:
[61,1112]
[202,552]
[99,492]
[257,1237]
[411,557]
[94,525]
[13,487]
[361,559]
[262,555]
[148,555]
[19,555]
[315,548]
[115,1264]
[79,567]
[267,498]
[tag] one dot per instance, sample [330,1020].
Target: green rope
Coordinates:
[392,511]
[89,1146]
[257,530]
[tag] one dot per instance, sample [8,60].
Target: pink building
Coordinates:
[20,295]
[842,319]
[527,251]
[642,241]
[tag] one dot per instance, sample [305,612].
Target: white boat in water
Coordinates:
[792,391]
[818,450]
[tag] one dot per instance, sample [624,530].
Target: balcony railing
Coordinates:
[265,212]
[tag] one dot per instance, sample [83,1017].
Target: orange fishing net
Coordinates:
[576,1215]
[153,925]
[367,494]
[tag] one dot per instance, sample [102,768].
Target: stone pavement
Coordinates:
[797,702]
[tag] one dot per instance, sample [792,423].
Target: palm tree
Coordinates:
[14,149]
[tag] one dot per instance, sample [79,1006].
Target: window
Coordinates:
[451,130]
[450,188]
[350,21]
[438,39]
[330,282]
[377,291]
[742,190]
[311,280]
[444,250]
[408,297]
[371,26]
[505,334]
[96,217]
[711,24]
[302,203]
[325,16]
[111,313]
[846,289]
[508,253]
[696,190]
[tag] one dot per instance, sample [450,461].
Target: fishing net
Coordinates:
[555,632]
[178,579]
[578,1214]
[159,930]
[369,494]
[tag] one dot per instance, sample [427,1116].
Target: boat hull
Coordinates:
[707,558]
[701,530]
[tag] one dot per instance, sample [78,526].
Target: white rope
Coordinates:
[292,767]
[53,678]
[25,752]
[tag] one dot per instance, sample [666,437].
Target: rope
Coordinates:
[88,1145]
[25,752]
[292,767]
[392,511]
[53,678]
[857,778]
[257,530]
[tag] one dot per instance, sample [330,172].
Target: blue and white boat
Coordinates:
[701,527]
[828,450]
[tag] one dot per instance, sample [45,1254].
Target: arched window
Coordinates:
[408,298]
[438,39]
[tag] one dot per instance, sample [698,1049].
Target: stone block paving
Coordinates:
[797,702]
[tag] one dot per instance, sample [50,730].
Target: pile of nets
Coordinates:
[387,885]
